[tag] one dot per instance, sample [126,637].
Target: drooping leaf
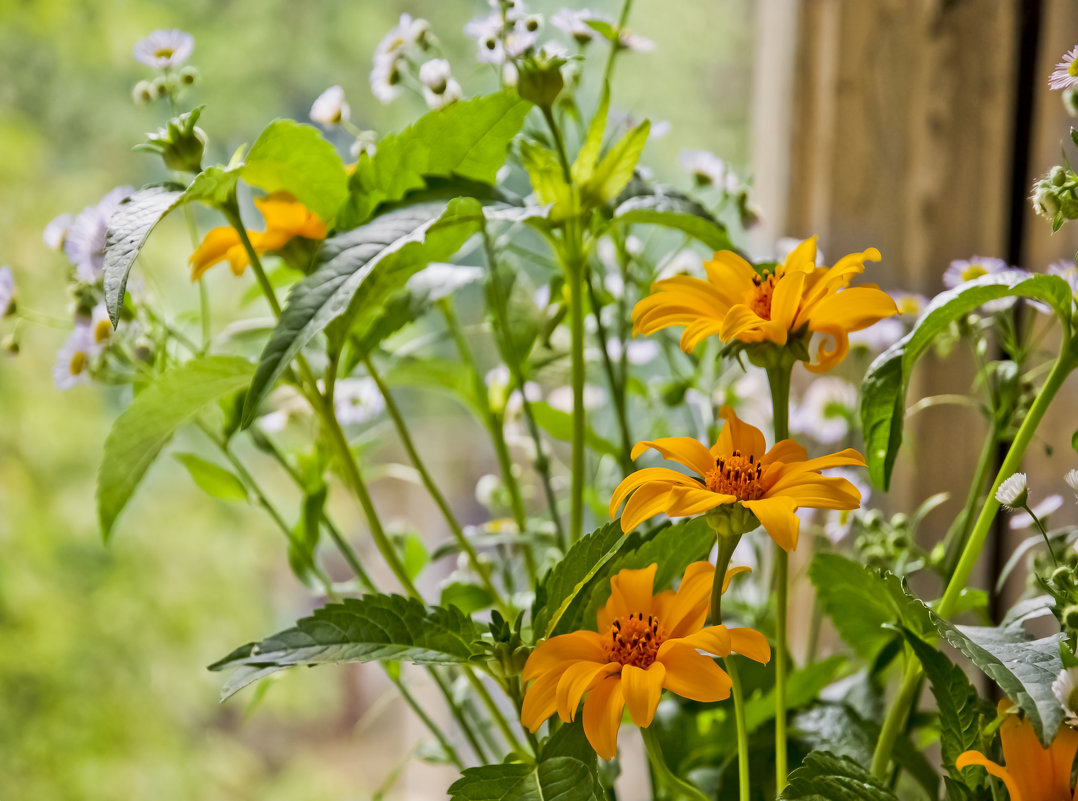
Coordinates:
[146,426]
[677,211]
[559,425]
[367,629]
[559,778]
[469,139]
[295,157]
[128,229]
[824,776]
[212,478]
[883,400]
[361,268]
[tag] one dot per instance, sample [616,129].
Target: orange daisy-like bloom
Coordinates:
[285,218]
[645,643]
[1033,772]
[772,484]
[738,303]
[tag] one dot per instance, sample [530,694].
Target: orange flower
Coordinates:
[1033,773]
[736,469]
[738,303]
[285,218]
[645,643]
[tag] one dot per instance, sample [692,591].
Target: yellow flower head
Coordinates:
[738,303]
[1033,773]
[644,643]
[285,218]
[771,484]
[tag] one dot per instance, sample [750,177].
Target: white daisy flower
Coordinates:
[523,36]
[385,77]
[7,290]
[435,74]
[165,48]
[962,270]
[1065,689]
[631,41]
[451,95]
[1072,479]
[84,243]
[330,108]
[561,398]
[575,23]
[1065,74]
[485,488]
[1041,510]
[73,359]
[498,376]
[406,35]
[56,231]
[706,168]
[357,400]
[487,32]
[825,410]
[1014,491]
[100,328]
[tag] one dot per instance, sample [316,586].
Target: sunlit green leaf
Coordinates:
[212,478]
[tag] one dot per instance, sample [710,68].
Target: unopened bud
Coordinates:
[188,76]
[540,80]
[143,93]
[1070,617]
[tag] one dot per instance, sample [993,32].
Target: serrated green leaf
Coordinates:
[615,170]
[1024,668]
[469,139]
[561,586]
[212,478]
[673,210]
[128,229]
[824,776]
[883,399]
[372,628]
[560,778]
[359,269]
[559,425]
[295,157]
[138,435]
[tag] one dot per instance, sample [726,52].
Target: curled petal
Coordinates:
[684,450]
[575,681]
[561,650]
[602,716]
[642,689]
[777,517]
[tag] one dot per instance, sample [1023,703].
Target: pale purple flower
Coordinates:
[165,48]
[56,231]
[73,358]
[330,108]
[84,244]
[962,270]
[1065,75]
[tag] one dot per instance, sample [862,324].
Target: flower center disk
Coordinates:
[634,640]
[761,301]
[736,475]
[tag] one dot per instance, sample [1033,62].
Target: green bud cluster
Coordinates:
[180,144]
[1055,196]
[509,651]
[886,543]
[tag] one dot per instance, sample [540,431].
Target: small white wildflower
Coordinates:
[498,376]
[100,328]
[706,168]
[1041,510]
[385,77]
[523,36]
[1014,492]
[1072,479]
[614,284]
[510,75]
[1065,689]
[408,33]
[357,400]
[73,358]
[165,48]
[962,270]
[485,488]
[56,231]
[879,336]
[825,410]
[84,243]
[330,108]
[435,75]
[575,23]
[1065,74]
[910,304]
[660,129]
[631,41]
[1065,269]
[7,290]
[487,32]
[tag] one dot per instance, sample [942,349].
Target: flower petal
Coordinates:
[819,492]
[731,275]
[713,639]
[694,676]
[645,503]
[540,701]
[786,451]
[970,758]
[560,651]
[777,516]
[602,716]
[219,244]
[577,679]
[751,644]
[786,299]
[689,501]
[801,259]
[1029,763]
[684,450]
[642,689]
[738,435]
[691,603]
[630,593]
[644,476]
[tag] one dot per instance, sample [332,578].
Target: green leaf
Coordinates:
[559,425]
[560,587]
[295,157]
[212,478]
[616,168]
[560,778]
[414,555]
[372,628]
[146,426]
[824,776]
[584,166]
[548,181]
[469,139]
[128,229]
[1024,668]
[214,186]
[883,400]
[360,269]
[674,210]
[960,707]
[468,598]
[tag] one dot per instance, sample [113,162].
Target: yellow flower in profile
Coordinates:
[1033,773]
[772,484]
[738,303]
[644,643]
[286,218]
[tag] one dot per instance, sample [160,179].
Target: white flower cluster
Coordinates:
[398,51]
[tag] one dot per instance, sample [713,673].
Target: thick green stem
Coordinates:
[495,712]
[743,780]
[895,719]
[617,386]
[679,787]
[576,303]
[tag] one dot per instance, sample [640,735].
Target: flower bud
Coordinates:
[1062,577]
[1070,617]
[143,93]
[188,76]
[1014,492]
[540,80]
[10,345]
[161,87]
[180,144]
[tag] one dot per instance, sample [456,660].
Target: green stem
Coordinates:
[679,787]
[432,489]
[615,48]
[459,714]
[231,210]
[895,719]
[497,434]
[743,779]
[617,387]
[433,727]
[495,712]
[1044,533]
[576,303]
[955,538]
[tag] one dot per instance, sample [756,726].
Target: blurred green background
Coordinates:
[103,687]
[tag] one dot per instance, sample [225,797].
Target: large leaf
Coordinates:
[674,210]
[824,776]
[367,629]
[128,228]
[146,426]
[1024,668]
[469,140]
[560,778]
[212,478]
[361,269]
[883,400]
[569,576]
[295,157]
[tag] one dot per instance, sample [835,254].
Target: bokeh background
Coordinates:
[912,126]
